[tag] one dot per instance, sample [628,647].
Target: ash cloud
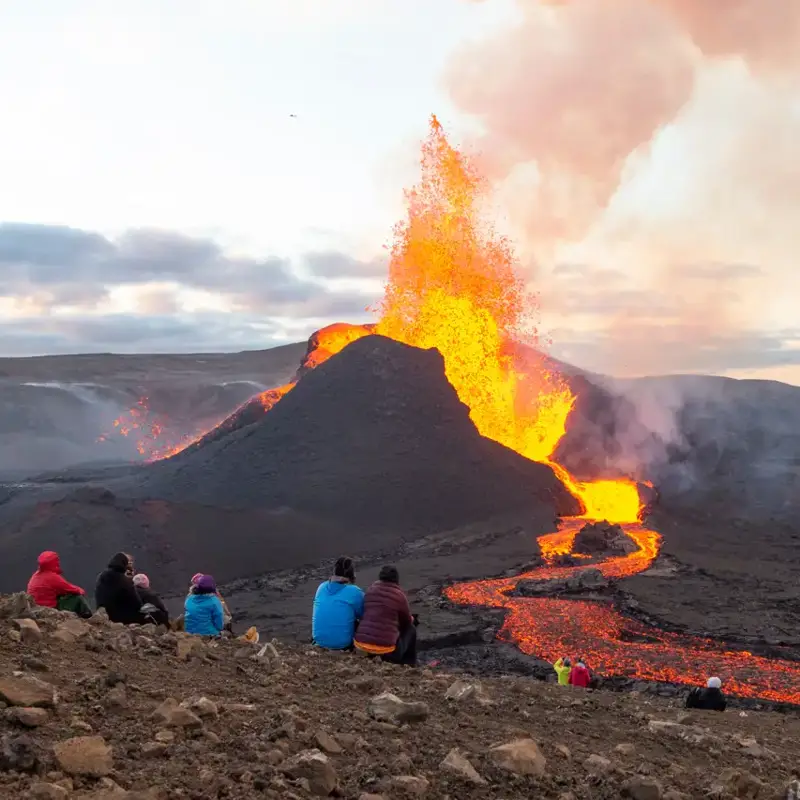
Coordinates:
[577,102]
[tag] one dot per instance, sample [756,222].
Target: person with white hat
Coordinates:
[709,699]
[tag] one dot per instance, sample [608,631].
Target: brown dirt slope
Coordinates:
[93,710]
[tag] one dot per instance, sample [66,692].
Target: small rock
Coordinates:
[47,791]
[154,749]
[410,785]
[201,706]
[27,691]
[736,783]
[625,749]
[316,768]
[18,753]
[174,715]
[34,664]
[639,788]
[597,765]
[370,796]
[166,737]
[84,755]
[17,605]
[188,646]
[463,691]
[99,618]
[29,630]
[117,698]
[456,763]
[388,707]
[564,751]
[522,757]
[14,635]
[81,725]
[328,743]
[29,717]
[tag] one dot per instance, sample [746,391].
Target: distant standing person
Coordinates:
[116,593]
[338,607]
[709,699]
[202,610]
[142,583]
[388,628]
[48,587]
[562,668]
[579,675]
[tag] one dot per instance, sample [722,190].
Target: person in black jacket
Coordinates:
[708,699]
[116,593]
[142,583]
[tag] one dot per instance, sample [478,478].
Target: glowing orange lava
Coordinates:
[454,285]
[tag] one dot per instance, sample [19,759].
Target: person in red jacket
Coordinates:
[48,587]
[387,627]
[580,676]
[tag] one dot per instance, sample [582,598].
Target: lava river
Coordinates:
[615,645]
[455,285]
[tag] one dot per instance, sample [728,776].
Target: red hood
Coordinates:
[49,562]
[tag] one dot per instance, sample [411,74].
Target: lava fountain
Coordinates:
[454,285]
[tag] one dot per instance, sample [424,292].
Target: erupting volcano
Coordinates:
[453,285]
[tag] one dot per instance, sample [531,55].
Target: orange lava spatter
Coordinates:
[453,284]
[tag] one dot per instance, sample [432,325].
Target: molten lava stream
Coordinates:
[613,644]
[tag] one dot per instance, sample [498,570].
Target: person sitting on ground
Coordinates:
[338,606]
[227,616]
[148,597]
[387,628]
[562,668]
[48,587]
[202,611]
[579,675]
[116,593]
[709,699]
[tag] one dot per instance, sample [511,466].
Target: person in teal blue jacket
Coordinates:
[338,606]
[202,611]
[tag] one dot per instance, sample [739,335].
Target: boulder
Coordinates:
[315,767]
[47,791]
[27,691]
[521,756]
[409,785]
[456,763]
[736,783]
[29,630]
[88,756]
[28,717]
[388,707]
[602,538]
[172,714]
[18,753]
[642,788]
[464,691]
[202,706]
[16,606]
[597,765]
[327,743]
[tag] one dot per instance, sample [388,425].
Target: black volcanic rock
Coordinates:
[376,437]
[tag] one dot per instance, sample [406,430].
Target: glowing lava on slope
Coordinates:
[453,285]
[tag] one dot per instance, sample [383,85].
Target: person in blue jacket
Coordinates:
[338,606]
[202,611]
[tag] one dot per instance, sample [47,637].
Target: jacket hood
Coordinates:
[49,562]
[334,587]
[119,562]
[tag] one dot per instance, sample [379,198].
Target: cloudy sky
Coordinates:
[188,176]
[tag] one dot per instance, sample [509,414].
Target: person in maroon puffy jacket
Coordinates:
[387,627]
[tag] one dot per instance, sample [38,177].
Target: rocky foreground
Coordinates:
[89,709]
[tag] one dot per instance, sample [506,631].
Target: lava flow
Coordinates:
[453,285]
